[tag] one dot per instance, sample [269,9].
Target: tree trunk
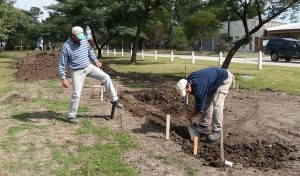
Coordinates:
[135,43]
[103,44]
[232,51]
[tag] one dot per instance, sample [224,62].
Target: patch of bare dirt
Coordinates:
[261,129]
[15,98]
[257,150]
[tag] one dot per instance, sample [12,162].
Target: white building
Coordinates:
[236,30]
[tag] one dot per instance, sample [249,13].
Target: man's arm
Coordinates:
[192,114]
[62,68]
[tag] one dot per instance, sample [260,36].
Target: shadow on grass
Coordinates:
[49,115]
[106,117]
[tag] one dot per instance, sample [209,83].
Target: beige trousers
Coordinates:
[213,110]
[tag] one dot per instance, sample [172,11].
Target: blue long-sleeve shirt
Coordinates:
[77,56]
[206,81]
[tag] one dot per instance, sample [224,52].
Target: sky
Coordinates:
[27,4]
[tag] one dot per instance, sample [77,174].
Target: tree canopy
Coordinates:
[141,23]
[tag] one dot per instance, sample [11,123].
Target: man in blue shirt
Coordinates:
[209,86]
[77,54]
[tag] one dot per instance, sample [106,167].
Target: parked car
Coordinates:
[283,48]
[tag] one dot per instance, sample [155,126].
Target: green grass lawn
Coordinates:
[278,78]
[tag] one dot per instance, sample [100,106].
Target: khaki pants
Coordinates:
[78,78]
[213,110]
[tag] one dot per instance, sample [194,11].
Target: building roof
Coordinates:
[291,26]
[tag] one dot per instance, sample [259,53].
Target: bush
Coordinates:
[221,46]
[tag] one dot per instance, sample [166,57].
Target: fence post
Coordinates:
[193,58]
[259,66]
[220,58]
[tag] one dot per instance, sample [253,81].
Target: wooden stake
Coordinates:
[221,146]
[101,93]
[195,145]
[168,127]
[186,96]
[237,88]
[233,81]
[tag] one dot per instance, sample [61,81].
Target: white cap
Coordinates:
[181,86]
[78,32]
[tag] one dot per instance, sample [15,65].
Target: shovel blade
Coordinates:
[193,132]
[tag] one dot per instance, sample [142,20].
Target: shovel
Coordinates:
[192,130]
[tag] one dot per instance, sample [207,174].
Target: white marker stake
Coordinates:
[143,54]
[193,58]
[172,56]
[115,52]
[220,58]
[259,66]
[101,93]
[221,146]
[155,55]
[107,51]
[122,52]
[168,127]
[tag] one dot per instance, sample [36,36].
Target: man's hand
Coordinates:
[98,64]
[192,114]
[65,83]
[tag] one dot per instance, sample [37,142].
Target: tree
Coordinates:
[156,28]
[58,34]
[264,10]
[11,18]
[34,13]
[178,39]
[103,18]
[138,14]
[201,24]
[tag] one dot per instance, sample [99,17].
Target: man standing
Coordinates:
[76,52]
[209,86]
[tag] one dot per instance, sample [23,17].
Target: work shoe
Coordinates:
[214,135]
[73,120]
[117,104]
[203,129]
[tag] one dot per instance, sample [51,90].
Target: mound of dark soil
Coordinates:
[43,66]
[253,152]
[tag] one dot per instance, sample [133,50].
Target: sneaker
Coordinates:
[214,135]
[117,104]
[73,120]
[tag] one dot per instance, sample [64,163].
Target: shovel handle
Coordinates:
[185,105]
[191,122]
